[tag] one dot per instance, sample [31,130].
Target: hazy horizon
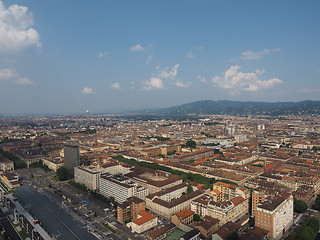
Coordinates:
[69,57]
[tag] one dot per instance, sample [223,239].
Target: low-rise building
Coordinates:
[184,217]
[10,180]
[225,230]
[144,222]
[53,164]
[6,164]
[192,235]
[208,226]
[304,193]
[161,233]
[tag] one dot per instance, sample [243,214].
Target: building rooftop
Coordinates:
[145,217]
[185,213]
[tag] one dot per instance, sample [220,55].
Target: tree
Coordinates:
[196,217]
[191,144]
[314,223]
[307,233]
[299,206]
[189,188]
[62,174]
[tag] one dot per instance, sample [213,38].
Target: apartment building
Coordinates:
[208,226]
[129,209]
[168,208]
[184,217]
[153,180]
[120,188]
[304,193]
[227,211]
[88,177]
[224,191]
[276,215]
[200,205]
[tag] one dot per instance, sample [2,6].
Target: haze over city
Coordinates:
[104,56]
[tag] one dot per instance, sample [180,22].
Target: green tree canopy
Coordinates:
[189,188]
[62,174]
[299,206]
[191,144]
[196,217]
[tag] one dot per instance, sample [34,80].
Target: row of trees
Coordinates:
[40,164]
[198,178]
[306,231]
[18,162]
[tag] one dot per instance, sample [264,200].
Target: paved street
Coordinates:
[54,220]
[41,182]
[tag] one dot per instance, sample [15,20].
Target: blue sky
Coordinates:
[70,56]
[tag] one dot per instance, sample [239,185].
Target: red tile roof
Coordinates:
[145,217]
[185,213]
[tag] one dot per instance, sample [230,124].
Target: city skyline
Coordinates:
[69,57]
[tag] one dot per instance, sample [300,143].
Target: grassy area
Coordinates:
[108,227]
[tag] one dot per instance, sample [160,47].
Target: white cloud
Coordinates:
[14,76]
[164,76]
[237,82]
[191,55]
[202,79]
[181,84]
[7,73]
[199,48]
[249,55]
[102,54]
[24,81]
[15,28]
[153,83]
[137,48]
[166,73]
[116,85]
[87,90]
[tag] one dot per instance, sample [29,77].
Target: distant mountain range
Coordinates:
[241,108]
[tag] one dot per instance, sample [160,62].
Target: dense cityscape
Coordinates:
[204,177]
[159,120]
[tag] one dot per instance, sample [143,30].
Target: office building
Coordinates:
[71,157]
